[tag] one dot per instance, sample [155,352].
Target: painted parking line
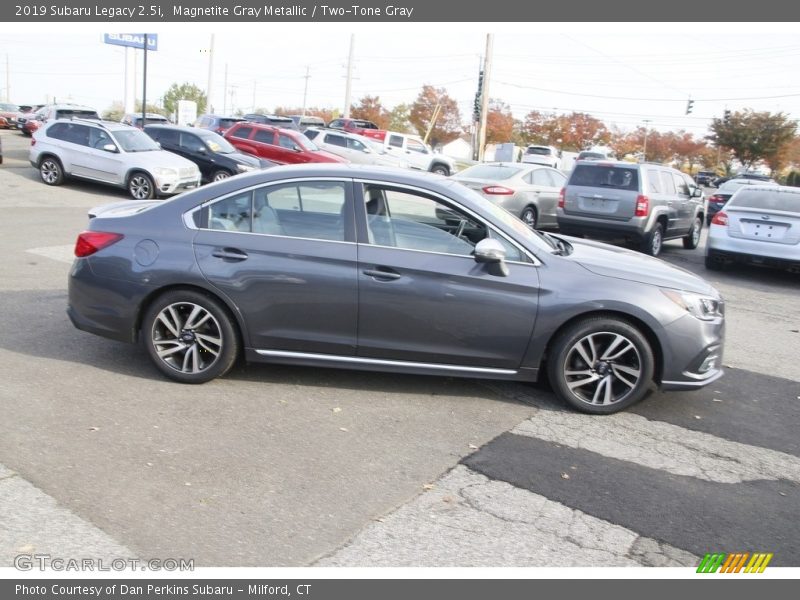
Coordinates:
[65,254]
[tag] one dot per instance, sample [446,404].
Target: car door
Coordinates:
[285,256]
[670,200]
[337,144]
[91,158]
[422,296]
[193,148]
[546,187]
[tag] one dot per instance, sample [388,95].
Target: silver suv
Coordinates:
[110,153]
[641,203]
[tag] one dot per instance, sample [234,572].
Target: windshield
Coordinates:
[217,143]
[131,140]
[306,143]
[493,172]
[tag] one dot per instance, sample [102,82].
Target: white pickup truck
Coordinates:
[418,154]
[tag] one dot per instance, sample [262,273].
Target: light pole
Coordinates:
[644,151]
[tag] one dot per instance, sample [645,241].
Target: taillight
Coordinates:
[642,206]
[498,190]
[33,141]
[89,242]
[717,199]
[562,195]
[720,219]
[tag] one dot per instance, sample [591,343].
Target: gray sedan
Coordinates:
[384,269]
[759,225]
[527,191]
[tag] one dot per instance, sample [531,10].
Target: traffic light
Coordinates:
[689,106]
[476,112]
[726,116]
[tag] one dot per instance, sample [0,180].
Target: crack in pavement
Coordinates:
[468,519]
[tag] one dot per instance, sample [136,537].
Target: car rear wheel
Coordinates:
[601,365]
[692,238]
[529,217]
[190,337]
[653,241]
[440,170]
[220,175]
[50,171]
[141,186]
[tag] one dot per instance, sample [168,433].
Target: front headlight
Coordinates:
[244,168]
[705,308]
[165,172]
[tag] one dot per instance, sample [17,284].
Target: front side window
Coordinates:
[284,141]
[167,137]
[396,141]
[335,140]
[356,145]
[403,219]
[680,185]
[135,140]
[416,146]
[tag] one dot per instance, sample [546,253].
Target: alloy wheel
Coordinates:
[186,337]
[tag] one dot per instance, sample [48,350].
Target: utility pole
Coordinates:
[144,85]
[487,70]
[644,151]
[305,92]
[349,77]
[225,92]
[210,85]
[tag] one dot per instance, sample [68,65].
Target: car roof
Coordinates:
[196,130]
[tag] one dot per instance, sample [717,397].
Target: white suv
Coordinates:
[355,148]
[110,153]
[542,155]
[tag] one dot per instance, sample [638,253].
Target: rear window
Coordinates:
[228,123]
[620,178]
[767,200]
[490,172]
[77,114]
[365,124]
[538,150]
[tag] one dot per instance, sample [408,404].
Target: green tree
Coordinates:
[448,124]
[184,91]
[754,136]
[399,118]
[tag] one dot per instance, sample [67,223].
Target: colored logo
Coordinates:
[721,562]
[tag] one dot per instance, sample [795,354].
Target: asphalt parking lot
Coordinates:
[280,466]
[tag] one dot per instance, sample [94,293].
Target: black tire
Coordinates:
[654,240]
[440,169]
[193,333]
[141,186]
[220,175]
[621,371]
[530,217]
[51,171]
[692,239]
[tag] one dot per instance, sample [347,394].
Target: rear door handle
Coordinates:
[386,275]
[231,254]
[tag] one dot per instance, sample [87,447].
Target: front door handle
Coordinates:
[231,254]
[385,275]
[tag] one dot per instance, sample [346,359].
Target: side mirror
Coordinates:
[110,148]
[367,151]
[491,253]
[697,192]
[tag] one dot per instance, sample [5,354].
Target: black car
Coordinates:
[212,153]
[705,177]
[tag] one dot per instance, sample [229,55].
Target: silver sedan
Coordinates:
[760,224]
[527,191]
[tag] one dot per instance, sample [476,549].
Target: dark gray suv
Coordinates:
[640,203]
[388,270]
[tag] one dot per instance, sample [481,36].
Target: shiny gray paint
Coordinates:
[300,299]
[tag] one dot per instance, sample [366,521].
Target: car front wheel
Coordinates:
[220,175]
[601,365]
[190,337]
[440,170]
[141,186]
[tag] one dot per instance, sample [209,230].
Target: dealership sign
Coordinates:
[132,40]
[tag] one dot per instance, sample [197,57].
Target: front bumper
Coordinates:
[692,353]
[176,185]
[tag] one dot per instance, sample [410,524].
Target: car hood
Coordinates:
[245,159]
[620,263]
[160,158]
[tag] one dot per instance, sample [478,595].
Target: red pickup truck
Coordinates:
[359,127]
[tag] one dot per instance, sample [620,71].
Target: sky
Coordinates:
[624,74]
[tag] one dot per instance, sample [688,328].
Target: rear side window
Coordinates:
[166,136]
[268,137]
[335,140]
[668,183]
[396,141]
[767,200]
[605,176]
[654,182]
